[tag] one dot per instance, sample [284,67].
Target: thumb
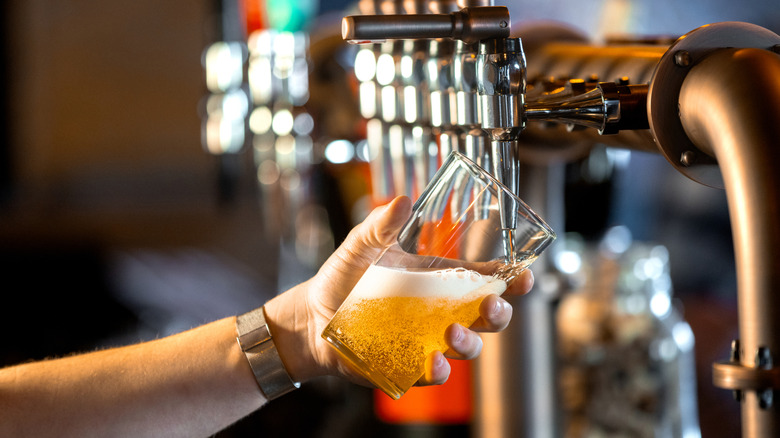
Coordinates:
[379,230]
[365,242]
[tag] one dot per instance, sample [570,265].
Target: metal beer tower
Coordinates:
[709,102]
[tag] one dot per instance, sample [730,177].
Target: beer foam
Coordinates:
[382,282]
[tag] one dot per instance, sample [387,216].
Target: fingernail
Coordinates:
[497,308]
[440,360]
[459,333]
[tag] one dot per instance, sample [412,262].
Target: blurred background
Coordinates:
[123,219]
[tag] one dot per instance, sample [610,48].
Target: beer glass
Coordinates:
[454,250]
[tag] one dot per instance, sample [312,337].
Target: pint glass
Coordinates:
[455,249]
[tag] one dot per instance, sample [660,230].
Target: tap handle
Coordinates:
[468,24]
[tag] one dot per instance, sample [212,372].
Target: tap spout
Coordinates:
[501,85]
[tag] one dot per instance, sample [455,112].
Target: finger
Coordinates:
[522,284]
[495,313]
[437,370]
[463,343]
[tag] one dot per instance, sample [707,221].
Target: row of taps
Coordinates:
[439,76]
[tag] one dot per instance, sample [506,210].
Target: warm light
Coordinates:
[284,51]
[260,120]
[368,100]
[224,66]
[224,128]
[436,115]
[290,180]
[388,103]
[410,104]
[260,43]
[374,130]
[285,151]
[396,138]
[385,69]
[407,67]
[268,172]
[282,123]
[260,80]
[365,65]
[284,44]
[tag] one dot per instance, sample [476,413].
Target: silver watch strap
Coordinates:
[254,337]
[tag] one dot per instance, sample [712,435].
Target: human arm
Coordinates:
[194,383]
[198,382]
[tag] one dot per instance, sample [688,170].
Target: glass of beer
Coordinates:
[468,237]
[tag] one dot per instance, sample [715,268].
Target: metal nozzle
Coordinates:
[505,168]
[608,107]
[501,85]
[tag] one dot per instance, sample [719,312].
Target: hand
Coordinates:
[298,317]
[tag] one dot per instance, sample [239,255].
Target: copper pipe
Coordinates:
[730,107]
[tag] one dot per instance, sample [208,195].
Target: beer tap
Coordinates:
[608,107]
[440,81]
[500,78]
[421,164]
[391,81]
[501,81]
[469,25]
[416,112]
[440,86]
[375,68]
[501,85]
[467,113]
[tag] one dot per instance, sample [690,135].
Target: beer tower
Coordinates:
[708,102]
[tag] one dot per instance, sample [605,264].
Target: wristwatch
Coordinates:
[256,341]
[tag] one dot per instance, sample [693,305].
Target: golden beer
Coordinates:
[394,318]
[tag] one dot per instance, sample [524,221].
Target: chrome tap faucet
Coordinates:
[501,84]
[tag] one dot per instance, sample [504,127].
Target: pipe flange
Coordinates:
[664,92]
[730,375]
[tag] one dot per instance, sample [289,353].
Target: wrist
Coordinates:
[259,347]
[288,320]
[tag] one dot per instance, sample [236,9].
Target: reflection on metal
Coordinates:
[227,105]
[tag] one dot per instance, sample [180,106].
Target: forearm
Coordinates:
[190,384]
